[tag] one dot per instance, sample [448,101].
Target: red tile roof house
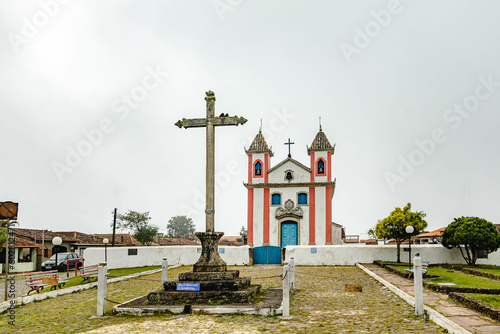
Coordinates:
[71,242]
[230,241]
[433,237]
[24,256]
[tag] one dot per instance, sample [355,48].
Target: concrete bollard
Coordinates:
[286,290]
[417,281]
[292,274]
[164,270]
[102,287]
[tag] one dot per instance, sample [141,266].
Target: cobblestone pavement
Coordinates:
[470,320]
[319,305]
[21,288]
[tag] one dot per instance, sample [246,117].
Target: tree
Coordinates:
[145,234]
[472,235]
[393,226]
[180,227]
[3,233]
[138,222]
[243,234]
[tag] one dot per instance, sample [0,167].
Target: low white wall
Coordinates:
[303,255]
[152,255]
[351,254]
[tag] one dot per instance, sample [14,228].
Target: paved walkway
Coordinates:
[470,320]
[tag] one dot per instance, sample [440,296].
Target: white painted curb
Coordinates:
[56,293]
[434,315]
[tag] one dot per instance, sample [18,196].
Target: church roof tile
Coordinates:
[321,143]
[259,145]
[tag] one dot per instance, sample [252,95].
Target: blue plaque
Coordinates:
[188,286]
[314,250]
[222,250]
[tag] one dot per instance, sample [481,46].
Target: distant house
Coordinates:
[338,234]
[228,240]
[122,239]
[351,239]
[71,241]
[370,241]
[174,242]
[24,256]
[433,237]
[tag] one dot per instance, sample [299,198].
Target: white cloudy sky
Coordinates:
[383,76]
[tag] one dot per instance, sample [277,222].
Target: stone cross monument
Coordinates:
[210,260]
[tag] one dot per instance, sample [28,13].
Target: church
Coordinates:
[290,203]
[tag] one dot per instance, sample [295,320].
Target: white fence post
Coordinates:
[164,270]
[292,274]
[286,290]
[417,281]
[102,285]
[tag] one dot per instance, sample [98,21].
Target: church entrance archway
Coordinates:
[289,233]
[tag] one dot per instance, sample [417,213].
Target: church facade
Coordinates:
[290,203]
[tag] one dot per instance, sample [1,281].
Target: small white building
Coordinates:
[290,204]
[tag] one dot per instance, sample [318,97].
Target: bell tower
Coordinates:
[259,161]
[320,154]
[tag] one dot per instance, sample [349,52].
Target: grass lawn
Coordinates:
[492,300]
[487,269]
[73,281]
[460,279]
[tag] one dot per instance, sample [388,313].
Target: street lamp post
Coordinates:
[409,230]
[105,241]
[56,241]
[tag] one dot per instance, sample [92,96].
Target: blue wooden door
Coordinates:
[260,255]
[288,234]
[274,256]
[267,255]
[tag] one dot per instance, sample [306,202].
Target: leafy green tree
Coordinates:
[243,234]
[138,222]
[471,235]
[3,233]
[393,226]
[180,227]
[145,234]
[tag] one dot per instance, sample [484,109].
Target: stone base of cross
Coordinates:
[210,260]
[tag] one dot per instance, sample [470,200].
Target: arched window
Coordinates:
[302,198]
[321,167]
[258,169]
[276,199]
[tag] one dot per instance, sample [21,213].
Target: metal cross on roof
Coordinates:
[289,146]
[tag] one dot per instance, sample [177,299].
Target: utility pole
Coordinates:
[114,229]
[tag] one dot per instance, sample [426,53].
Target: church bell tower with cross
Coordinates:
[289,203]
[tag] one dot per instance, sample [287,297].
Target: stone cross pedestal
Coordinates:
[210,260]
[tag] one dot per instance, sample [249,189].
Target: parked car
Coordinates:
[62,260]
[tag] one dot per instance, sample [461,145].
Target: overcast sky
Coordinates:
[408,91]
